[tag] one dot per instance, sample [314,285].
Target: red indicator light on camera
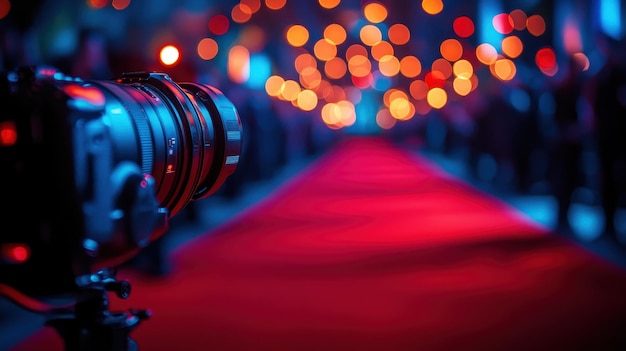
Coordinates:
[8,133]
[15,253]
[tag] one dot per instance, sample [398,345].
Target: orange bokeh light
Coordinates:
[375,12]
[297,35]
[451,49]
[432,7]
[207,48]
[399,34]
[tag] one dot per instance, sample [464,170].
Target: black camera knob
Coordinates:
[121,288]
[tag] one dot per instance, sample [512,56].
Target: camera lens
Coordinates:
[187,135]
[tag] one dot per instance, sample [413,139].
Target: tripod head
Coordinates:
[89,325]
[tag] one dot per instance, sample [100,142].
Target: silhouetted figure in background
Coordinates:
[610,126]
[567,146]
[91,60]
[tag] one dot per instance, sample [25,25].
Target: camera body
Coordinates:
[92,171]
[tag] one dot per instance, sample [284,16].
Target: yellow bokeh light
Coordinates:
[307,100]
[504,69]
[462,86]
[432,7]
[290,90]
[324,49]
[370,35]
[274,85]
[399,34]
[393,94]
[335,33]
[401,109]
[297,35]
[437,98]
[375,12]
[463,69]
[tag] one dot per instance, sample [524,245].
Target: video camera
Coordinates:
[91,171]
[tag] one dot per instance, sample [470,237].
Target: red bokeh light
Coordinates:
[503,23]
[435,79]
[463,26]
[545,59]
[219,24]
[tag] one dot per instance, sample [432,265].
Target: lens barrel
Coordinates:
[187,136]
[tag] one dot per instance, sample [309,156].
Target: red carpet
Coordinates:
[373,249]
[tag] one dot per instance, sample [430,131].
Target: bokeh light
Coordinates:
[275,4]
[432,7]
[518,18]
[437,98]
[503,23]
[169,55]
[399,34]
[325,50]
[219,24]
[536,25]
[389,66]
[381,49]
[207,48]
[486,53]
[5,8]
[370,35]
[116,4]
[512,46]
[463,26]
[241,13]
[329,4]
[297,35]
[375,12]
[335,68]
[451,49]
[410,66]
[335,33]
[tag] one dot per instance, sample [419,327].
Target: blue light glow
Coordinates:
[487,10]
[610,20]
[260,70]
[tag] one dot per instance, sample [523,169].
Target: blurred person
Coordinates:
[567,143]
[609,104]
[91,60]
